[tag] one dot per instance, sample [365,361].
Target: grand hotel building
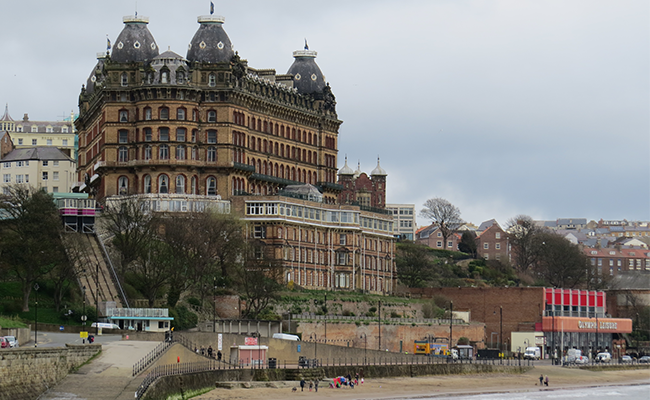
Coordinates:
[207,125]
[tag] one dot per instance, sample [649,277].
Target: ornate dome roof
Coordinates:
[135,43]
[378,171]
[346,170]
[96,74]
[358,172]
[307,76]
[210,43]
[170,68]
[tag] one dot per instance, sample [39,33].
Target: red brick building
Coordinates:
[432,236]
[612,261]
[360,189]
[493,244]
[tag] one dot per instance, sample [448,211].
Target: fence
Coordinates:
[211,365]
[150,357]
[432,321]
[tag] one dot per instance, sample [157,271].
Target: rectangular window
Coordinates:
[342,239]
[64,142]
[6,178]
[147,134]
[45,163]
[55,189]
[497,246]
[486,246]
[55,163]
[439,243]
[259,232]
[45,175]
[20,142]
[124,137]
[450,244]
[19,179]
[34,142]
[164,134]
[212,137]
[180,134]
[7,165]
[180,114]
[55,175]
[147,114]
[497,235]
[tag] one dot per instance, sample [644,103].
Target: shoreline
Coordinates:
[443,386]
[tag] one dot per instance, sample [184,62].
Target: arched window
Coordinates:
[212,116]
[147,184]
[164,113]
[195,152]
[180,114]
[147,113]
[211,186]
[163,184]
[180,152]
[147,152]
[123,154]
[124,116]
[193,185]
[123,185]
[264,169]
[164,77]
[180,184]
[212,154]
[163,152]
[282,171]
[275,170]
[180,77]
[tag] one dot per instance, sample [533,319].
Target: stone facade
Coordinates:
[201,125]
[28,372]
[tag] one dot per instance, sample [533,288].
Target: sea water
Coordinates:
[633,392]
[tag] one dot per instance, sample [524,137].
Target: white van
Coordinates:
[104,325]
[285,336]
[532,353]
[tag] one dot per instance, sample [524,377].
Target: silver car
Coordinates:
[12,341]
[626,359]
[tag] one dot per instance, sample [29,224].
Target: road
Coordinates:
[60,339]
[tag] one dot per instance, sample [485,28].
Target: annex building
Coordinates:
[170,128]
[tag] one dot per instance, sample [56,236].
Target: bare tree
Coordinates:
[560,262]
[522,231]
[444,214]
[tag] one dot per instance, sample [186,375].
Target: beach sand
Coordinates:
[430,386]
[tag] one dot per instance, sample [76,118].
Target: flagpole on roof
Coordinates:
[211,8]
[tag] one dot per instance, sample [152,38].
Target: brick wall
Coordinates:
[28,372]
[522,307]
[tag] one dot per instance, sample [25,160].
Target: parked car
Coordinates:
[4,343]
[12,341]
[603,357]
[581,360]
[645,359]
[626,359]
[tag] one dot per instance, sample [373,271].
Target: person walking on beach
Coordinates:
[546,381]
[302,384]
[541,380]
[311,385]
[316,384]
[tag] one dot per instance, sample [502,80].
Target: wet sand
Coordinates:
[438,385]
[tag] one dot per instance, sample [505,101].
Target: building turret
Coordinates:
[210,43]
[135,43]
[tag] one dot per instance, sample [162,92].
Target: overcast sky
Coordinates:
[501,107]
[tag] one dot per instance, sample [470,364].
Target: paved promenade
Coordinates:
[107,377]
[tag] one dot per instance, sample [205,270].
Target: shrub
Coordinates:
[194,301]
[394,314]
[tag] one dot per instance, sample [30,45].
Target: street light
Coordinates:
[313,337]
[97,300]
[365,348]
[36,287]
[500,341]
[83,317]
[214,304]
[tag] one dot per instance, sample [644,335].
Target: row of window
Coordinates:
[55,189]
[341,258]
[165,77]
[280,150]
[497,246]
[163,153]
[630,262]
[20,178]
[48,142]
[48,129]
[163,185]
[164,113]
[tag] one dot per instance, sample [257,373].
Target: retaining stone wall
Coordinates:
[27,372]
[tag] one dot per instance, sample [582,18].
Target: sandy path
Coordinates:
[391,388]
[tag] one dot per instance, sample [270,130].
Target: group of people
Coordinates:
[543,381]
[336,383]
[209,352]
[312,384]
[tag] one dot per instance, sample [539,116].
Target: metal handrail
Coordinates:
[110,264]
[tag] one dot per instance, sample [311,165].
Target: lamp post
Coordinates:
[214,304]
[97,300]
[313,337]
[83,317]
[325,318]
[379,345]
[36,287]
[451,324]
[500,339]
[365,348]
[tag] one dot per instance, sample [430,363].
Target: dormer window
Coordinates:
[34,128]
[20,129]
[212,80]
[180,77]
[164,77]
[64,129]
[125,79]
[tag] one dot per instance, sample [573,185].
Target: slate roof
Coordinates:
[486,224]
[210,43]
[135,43]
[37,153]
[307,76]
